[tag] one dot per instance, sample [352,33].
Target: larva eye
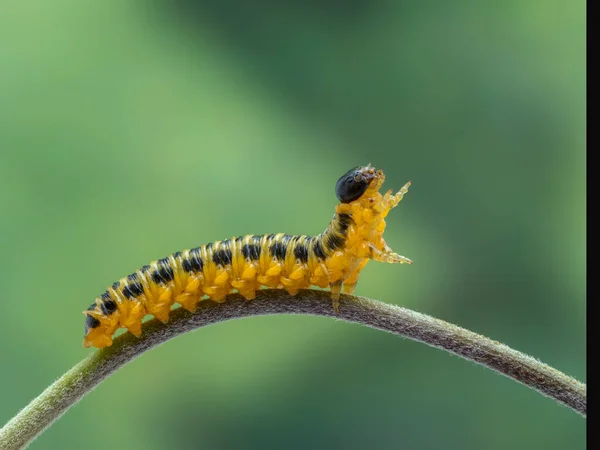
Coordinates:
[352,185]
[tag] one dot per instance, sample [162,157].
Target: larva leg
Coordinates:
[248,293]
[388,256]
[350,282]
[352,276]
[349,288]
[336,288]
[393,200]
[247,284]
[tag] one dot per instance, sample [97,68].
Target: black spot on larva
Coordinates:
[251,251]
[196,263]
[137,288]
[334,241]
[133,289]
[127,292]
[176,255]
[92,307]
[318,249]
[108,307]
[116,285]
[132,277]
[216,257]
[165,269]
[256,250]
[285,243]
[209,247]
[279,247]
[226,249]
[164,273]
[301,252]
[145,268]
[228,256]
[344,221]
[91,322]
[105,296]
[222,257]
[157,278]
[239,239]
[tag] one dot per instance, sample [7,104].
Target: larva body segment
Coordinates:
[245,264]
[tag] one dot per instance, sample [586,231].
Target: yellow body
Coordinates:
[332,259]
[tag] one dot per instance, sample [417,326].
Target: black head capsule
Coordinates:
[354,183]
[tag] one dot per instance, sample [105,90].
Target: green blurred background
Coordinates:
[131,129]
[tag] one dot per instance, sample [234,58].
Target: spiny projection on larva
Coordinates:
[245,264]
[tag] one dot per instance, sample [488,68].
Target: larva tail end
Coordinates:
[97,330]
[97,338]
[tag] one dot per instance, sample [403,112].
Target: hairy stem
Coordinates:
[86,375]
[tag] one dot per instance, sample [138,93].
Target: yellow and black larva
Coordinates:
[332,259]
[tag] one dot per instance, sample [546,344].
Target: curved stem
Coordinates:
[86,375]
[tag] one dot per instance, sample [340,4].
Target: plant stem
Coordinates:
[85,376]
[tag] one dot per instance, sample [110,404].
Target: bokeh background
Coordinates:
[133,128]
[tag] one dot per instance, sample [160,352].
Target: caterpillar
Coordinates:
[333,259]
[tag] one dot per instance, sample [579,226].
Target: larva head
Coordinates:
[98,328]
[354,183]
